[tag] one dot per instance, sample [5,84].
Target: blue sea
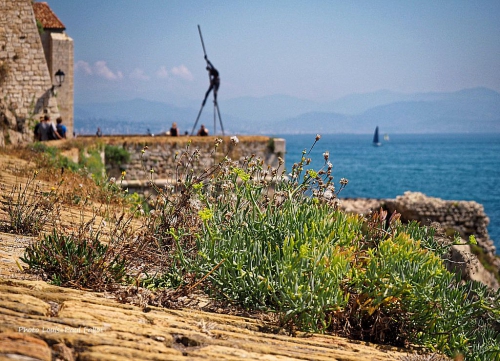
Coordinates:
[450,167]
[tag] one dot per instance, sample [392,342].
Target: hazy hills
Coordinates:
[464,111]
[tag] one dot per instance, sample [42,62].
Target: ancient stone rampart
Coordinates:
[60,55]
[163,154]
[465,217]
[24,77]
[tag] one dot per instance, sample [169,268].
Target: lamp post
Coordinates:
[59,78]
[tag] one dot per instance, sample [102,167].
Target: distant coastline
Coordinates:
[464,111]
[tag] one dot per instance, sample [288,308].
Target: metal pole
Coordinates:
[215,118]
[197,118]
[220,119]
[202,43]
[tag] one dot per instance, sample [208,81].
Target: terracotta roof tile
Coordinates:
[46,16]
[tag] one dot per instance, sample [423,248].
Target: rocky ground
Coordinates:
[39,321]
[43,322]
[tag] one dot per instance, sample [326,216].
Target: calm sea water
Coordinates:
[451,167]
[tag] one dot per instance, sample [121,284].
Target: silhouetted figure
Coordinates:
[203,131]
[174,132]
[214,81]
[99,132]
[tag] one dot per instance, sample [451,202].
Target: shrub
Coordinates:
[67,260]
[50,157]
[116,155]
[91,161]
[39,26]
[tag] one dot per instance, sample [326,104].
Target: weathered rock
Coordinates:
[90,326]
[361,205]
[463,261]
[63,352]
[25,86]
[15,345]
[465,217]
[165,154]
[6,116]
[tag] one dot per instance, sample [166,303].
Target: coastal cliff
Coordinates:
[467,218]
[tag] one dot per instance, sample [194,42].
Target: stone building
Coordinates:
[58,50]
[27,71]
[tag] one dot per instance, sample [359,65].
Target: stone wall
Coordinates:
[465,217]
[25,80]
[61,57]
[163,153]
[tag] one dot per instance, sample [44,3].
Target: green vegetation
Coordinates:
[67,260]
[40,28]
[116,155]
[483,258]
[262,239]
[91,160]
[50,157]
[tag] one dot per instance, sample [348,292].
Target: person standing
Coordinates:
[47,130]
[61,128]
[174,132]
[203,131]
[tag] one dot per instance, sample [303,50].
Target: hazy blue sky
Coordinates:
[316,49]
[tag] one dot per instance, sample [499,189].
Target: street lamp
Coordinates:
[59,78]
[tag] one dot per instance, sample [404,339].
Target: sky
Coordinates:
[319,50]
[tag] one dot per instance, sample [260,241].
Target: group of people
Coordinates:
[174,131]
[46,130]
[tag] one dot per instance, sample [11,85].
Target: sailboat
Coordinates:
[386,137]
[376,141]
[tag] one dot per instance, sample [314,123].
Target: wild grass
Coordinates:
[70,261]
[29,207]
[267,239]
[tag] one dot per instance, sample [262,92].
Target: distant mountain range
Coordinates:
[474,110]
